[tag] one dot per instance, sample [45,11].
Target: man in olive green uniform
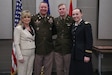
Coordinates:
[63,42]
[44,29]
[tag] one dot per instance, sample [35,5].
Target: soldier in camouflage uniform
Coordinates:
[63,42]
[44,29]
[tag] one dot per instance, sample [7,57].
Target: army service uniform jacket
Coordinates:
[82,46]
[44,29]
[63,42]
[83,41]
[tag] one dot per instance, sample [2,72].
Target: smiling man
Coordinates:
[44,29]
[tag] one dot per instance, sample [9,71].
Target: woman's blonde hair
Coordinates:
[24,14]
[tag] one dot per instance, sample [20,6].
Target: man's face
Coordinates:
[62,10]
[77,15]
[43,8]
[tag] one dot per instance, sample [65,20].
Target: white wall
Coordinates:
[105,19]
[5,19]
[53,4]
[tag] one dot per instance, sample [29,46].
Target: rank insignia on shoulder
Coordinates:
[86,22]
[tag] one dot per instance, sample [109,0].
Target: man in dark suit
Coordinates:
[44,29]
[81,63]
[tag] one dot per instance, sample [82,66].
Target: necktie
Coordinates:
[63,20]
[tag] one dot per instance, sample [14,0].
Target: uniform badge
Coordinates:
[68,24]
[50,20]
[39,18]
[37,21]
[37,28]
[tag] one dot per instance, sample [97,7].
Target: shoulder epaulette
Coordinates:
[86,22]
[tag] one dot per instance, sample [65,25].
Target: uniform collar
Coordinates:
[76,24]
[63,17]
[42,15]
[67,17]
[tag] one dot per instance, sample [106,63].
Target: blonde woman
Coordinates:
[24,42]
